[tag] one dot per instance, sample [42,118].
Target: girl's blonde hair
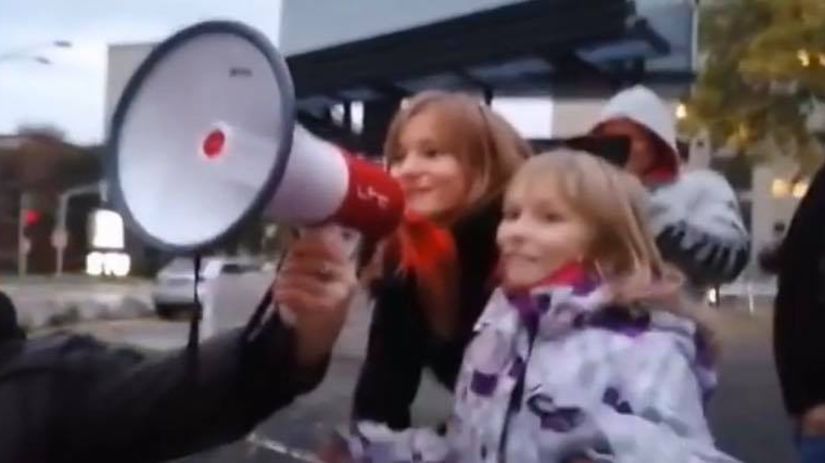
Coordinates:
[623,251]
[613,202]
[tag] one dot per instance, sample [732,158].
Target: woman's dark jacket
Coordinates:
[401,341]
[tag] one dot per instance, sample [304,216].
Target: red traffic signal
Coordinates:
[31,217]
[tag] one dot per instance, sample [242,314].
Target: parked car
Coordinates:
[174,290]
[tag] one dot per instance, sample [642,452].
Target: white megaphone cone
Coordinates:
[204,138]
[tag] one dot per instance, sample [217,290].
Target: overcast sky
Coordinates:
[69,93]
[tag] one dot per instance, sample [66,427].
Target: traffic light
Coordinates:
[31,218]
[31,221]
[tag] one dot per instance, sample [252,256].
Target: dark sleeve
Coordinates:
[799,315]
[698,227]
[153,410]
[9,328]
[391,373]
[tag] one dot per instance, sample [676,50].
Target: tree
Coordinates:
[763,69]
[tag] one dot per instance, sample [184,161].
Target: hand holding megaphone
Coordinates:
[204,140]
[314,288]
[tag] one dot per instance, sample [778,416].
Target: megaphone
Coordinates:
[205,138]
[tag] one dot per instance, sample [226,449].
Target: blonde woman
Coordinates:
[453,157]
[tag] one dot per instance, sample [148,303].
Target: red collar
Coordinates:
[660,174]
[567,275]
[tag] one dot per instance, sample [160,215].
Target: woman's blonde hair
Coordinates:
[613,202]
[488,148]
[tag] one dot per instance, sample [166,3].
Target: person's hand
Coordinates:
[314,288]
[813,422]
[335,450]
[665,290]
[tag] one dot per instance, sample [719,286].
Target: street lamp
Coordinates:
[804,57]
[39,59]
[26,52]
[681,111]
[35,58]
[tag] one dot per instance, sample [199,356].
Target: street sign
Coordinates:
[60,239]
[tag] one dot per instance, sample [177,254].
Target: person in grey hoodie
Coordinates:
[694,215]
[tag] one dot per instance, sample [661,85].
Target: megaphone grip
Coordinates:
[374,202]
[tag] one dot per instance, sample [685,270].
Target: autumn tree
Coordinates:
[762,78]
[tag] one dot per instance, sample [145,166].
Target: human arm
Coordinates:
[241,380]
[137,407]
[698,227]
[391,373]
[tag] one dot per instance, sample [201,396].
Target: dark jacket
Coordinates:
[401,342]
[799,315]
[70,398]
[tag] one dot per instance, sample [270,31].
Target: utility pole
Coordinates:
[60,237]
[23,245]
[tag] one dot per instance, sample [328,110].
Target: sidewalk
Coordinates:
[46,301]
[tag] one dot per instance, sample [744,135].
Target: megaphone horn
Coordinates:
[204,138]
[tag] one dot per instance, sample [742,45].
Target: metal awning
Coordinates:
[518,49]
[527,48]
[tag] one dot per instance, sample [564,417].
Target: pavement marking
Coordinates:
[283,449]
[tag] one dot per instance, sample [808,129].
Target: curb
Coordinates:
[71,312]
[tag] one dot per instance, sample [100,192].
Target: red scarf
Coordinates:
[428,251]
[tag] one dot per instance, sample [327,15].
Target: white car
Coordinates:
[174,289]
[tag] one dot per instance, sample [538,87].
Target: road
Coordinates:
[746,413]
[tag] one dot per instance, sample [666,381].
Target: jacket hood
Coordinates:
[640,105]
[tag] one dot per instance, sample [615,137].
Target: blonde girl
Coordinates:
[586,351]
